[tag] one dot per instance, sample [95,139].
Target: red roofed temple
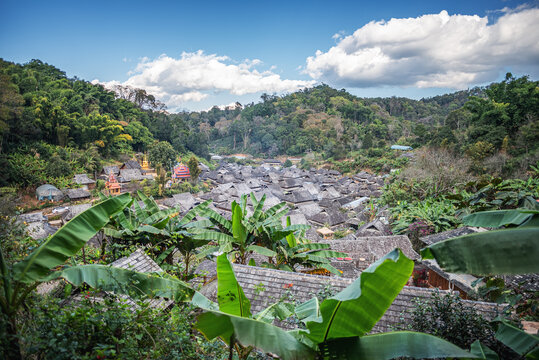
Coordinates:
[180,173]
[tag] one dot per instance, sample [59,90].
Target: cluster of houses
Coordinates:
[340,213]
[118,179]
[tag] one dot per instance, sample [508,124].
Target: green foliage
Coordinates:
[287,163]
[194,169]
[19,279]
[448,317]
[494,252]
[437,214]
[341,319]
[246,234]
[113,329]
[162,154]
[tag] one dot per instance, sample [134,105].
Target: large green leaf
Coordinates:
[214,235]
[393,345]
[216,218]
[497,218]
[238,229]
[250,332]
[518,340]
[230,295]
[191,214]
[356,309]
[150,204]
[483,351]
[308,311]
[508,251]
[261,250]
[123,281]
[279,310]
[68,240]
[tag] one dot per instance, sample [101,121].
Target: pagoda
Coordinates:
[180,172]
[145,163]
[112,185]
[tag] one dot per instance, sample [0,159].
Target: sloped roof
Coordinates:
[111,169]
[266,286]
[131,164]
[75,194]
[366,250]
[74,210]
[137,261]
[330,216]
[82,179]
[434,238]
[301,196]
[309,209]
[127,175]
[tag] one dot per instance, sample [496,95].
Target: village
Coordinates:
[340,211]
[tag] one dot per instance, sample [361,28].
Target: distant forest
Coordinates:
[69,125]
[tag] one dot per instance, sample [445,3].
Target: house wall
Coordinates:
[438,281]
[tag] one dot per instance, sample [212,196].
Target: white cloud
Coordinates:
[195,76]
[438,50]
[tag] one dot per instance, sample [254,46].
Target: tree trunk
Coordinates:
[13,348]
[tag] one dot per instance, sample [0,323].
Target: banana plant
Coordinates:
[511,250]
[342,320]
[245,234]
[18,280]
[182,231]
[144,226]
[292,252]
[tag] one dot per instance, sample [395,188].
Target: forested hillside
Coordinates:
[52,126]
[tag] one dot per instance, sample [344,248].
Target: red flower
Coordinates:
[288,286]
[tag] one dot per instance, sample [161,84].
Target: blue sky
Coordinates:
[197,54]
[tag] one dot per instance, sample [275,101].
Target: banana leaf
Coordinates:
[508,251]
[518,340]
[230,295]
[308,311]
[393,345]
[483,351]
[238,229]
[151,205]
[214,235]
[216,218]
[68,240]
[355,310]
[261,250]
[498,218]
[191,214]
[279,310]
[250,332]
[123,281]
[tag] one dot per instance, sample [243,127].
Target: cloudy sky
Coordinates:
[192,55]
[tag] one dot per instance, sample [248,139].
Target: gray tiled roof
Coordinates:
[137,261]
[82,179]
[75,194]
[434,238]
[266,286]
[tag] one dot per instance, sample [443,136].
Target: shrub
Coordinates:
[113,329]
[448,317]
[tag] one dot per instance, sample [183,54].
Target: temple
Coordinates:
[112,185]
[180,173]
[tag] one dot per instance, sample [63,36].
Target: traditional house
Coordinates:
[85,181]
[77,194]
[131,164]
